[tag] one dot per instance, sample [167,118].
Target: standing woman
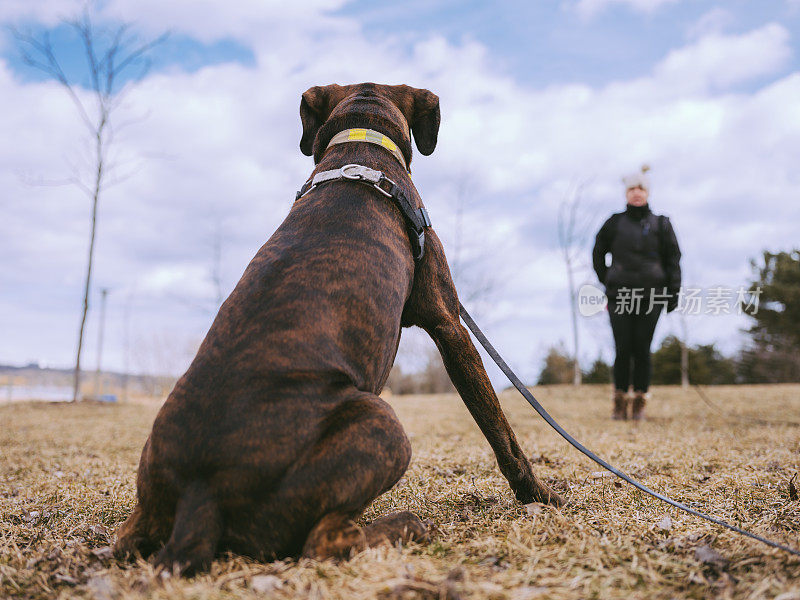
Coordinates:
[644,277]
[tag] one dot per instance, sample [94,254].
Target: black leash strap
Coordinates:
[581,448]
[416,219]
[733,416]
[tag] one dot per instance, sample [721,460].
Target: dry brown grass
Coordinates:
[67,481]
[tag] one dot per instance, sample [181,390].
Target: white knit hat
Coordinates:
[638,179]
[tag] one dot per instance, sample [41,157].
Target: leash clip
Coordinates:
[361,173]
[355,172]
[416,219]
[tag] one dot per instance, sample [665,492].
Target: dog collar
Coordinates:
[416,219]
[371,136]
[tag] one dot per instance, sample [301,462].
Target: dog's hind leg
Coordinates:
[134,536]
[150,523]
[195,534]
[403,526]
[362,454]
[336,535]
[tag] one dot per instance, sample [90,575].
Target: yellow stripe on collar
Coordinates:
[371,136]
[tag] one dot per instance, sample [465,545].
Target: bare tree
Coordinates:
[476,281]
[573,230]
[216,264]
[111,55]
[418,365]
[684,339]
[159,357]
[98,382]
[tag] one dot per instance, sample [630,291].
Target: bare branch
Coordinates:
[39,181]
[139,53]
[83,28]
[108,59]
[48,64]
[123,125]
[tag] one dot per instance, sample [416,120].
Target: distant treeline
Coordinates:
[707,366]
[111,382]
[771,355]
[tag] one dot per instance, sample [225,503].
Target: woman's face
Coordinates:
[636,196]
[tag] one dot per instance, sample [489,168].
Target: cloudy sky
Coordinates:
[539,101]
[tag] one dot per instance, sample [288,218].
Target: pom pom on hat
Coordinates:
[638,179]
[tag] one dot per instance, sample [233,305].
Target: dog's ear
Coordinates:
[425,122]
[316,105]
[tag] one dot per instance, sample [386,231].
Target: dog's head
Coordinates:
[394,110]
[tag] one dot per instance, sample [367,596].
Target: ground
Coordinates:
[67,477]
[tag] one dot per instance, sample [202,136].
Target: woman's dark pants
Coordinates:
[633,334]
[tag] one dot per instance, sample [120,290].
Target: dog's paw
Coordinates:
[534,490]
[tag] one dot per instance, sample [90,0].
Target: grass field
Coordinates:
[67,481]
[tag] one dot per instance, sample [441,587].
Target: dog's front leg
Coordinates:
[434,306]
[464,365]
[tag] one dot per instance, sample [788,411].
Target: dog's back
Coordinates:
[318,307]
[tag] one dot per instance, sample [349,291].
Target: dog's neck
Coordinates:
[372,137]
[367,155]
[370,155]
[397,133]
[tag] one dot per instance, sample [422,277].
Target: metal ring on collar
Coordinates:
[352,171]
[416,219]
[361,173]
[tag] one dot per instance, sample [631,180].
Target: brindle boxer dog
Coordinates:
[275,440]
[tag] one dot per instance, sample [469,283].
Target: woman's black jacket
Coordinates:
[644,253]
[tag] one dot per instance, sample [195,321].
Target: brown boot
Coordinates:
[639,400]
[620,406]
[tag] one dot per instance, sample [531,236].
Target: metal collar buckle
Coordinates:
[351,172]
[416,219]
[361,173]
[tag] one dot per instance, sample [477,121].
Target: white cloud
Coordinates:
[223,156]
[713,21]
[718,61]
[589,8]
[257,22]
[46,12]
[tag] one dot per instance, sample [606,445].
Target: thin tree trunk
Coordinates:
[576,374]
[127,356]
[216,272]
[570,241]
[76,382]
[684,366]
[98,377]
[684,354]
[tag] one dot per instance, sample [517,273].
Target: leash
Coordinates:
[473,327]
[729,415]
[416,219]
